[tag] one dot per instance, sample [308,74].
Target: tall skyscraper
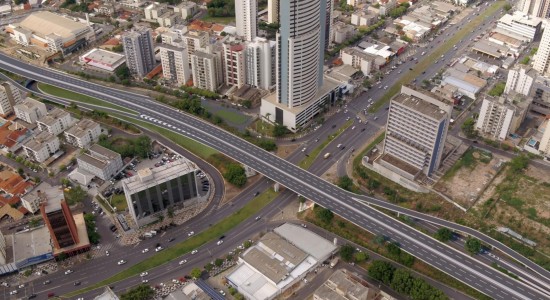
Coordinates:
[300,50]
[542,57]
[416,131]
[328,23]
[246,17]
[139,51]
[535,8]
[9,97]
[272,11]
[260,63]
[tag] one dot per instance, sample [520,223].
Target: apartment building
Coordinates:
[519,24]
[9,97]
[100,161]
[207,70]
[196,41]
[83,133]
[139,51]
[234,58]
[42,146]
[30,110]
[56,121]
[541,61]
[175,63]
[499,117]
[260,63]
[358,59]
[520,80]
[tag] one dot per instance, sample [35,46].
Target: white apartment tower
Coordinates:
[497,118]
[233,54]
[9,97]
[139,51]
[416,130]
[260,63]
[542,57]
[207,70]
[535,8]
[272,11]
[196,41]
[520,80]
[246,17]
[175,63]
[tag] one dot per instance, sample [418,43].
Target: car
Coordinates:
[143,274]
[76,283]
[370,100]
[32,296]
[183,261]
[256,193]
[144,281]
[257,218]
[304,149]
[353,127]
[13,292]
[145,250]
[222,292]
[339,145]
[51,294]
[68,272]
[386,87]
[175,281]
[194,251]
[219,242]
[21,286]
[171,239]
[362,129]
[423,72]
[159,248]
[191,233]
[106,253]
[121,262]
[304,225]
[46,282]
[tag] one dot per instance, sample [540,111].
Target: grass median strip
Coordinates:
[428,60]
[308,161]
[193,146]
[63,93]
[196,241]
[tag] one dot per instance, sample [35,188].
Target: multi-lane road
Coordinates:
[350,206]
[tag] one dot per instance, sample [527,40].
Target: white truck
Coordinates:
[333,262]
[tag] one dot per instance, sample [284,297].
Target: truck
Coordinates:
[333,262]
[327,155]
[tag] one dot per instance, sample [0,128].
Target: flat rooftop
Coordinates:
[267,265]
[104,56]
[110,154]
[147,178]
[40,140]
[81,128]
[28,104]
[52,197]
[400,164]
[290,253]
[31,243]
[94,161]
[418,105]
[45,23]
[52,116]
[306,240]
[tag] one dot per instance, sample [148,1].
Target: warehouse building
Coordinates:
[103,60]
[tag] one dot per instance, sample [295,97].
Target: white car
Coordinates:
[145,250]
[13,292]
[106,253]
[219,242]
[68,272]
[191,233]
[183,261]
[194,251]
[222,292]
[144,281]
[143,274]
[121,262]
[175,281]
[21,286]
[159,248]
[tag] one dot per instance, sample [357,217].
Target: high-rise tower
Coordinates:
[246,17]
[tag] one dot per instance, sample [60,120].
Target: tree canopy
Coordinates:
[444,234]
[141,292]
[473,245]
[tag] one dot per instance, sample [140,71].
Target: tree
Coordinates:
[473,245]
[346,252]
[519,163]
[20,171]
[345,183]
[402,281]
[444,234]
[507,7]
[279,130]
[360,256]
[123,73]
[367,83]
[324,214]
[468,128]
[382,271]
[141,292]
[196,273]
[218,262]
[75,195]
[498,89]
[235,174]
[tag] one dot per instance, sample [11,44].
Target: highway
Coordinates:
[353,207]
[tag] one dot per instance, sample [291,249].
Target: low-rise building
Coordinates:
[42,146]
[83,133]
[103,60]
[358,59]
[100,161]
[344,286]
[467,84]
[499,117]
[540,93]
[31,201]
[363,18]
[152,191]
[55,122]
[30,110]
[155,10]
[342,32]
[521,24]
[186,9]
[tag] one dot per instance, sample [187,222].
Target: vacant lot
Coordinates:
[468,178]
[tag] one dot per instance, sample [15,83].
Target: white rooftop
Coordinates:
[306,240]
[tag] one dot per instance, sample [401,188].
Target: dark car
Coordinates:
[256,194]
[171,239]
[76,283]
[31,296]
[222,237]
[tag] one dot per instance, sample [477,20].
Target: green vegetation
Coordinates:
[141,292]
[399,10]
[175,251]
[525,60]
[200,92]
[469,129]
[89,220]
[346,252]
[75,195]
[444,234]
[279,130]
[324,214]
[360,256]
[231,116]
[396,254]
[467,160]
[503,270]
[221,8]
[346,183]
[195,273]
[472,245]
[59,92]
[381,271]
[428,60]
[235,174]
[498,89]
[119,201]
[308,161]
[138,147]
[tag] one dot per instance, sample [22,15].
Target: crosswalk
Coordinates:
[95,252]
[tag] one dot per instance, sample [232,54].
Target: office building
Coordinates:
[152,191]
[416,131]
[83,133]
[100,162]
[234,58]
[260,63]
[499,117]
[139,51]
[207,70]
[175,63]
[519,24]
[30,110]
[42,146]
[58,217]
[520,80]
[544,146]
[9,97]
[56,121]
[246,17]
[31,201]
[273,11]
[534,8]
[342,285]
[541,60]
[301,92]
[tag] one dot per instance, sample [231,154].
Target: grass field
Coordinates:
[194,147]
[177,250]
[59,92]
[231,116]
[220,20]
[306,162]
[428,60]
[119,201]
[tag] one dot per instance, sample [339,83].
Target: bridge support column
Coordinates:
[276,187]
